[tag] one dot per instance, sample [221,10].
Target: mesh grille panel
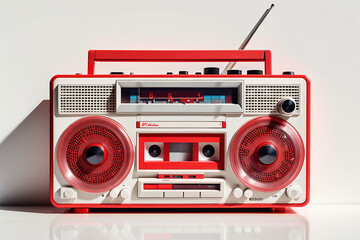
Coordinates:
[84,99]
[73,156]
[282,139]
[262,99]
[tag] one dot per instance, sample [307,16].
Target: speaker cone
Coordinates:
[95,154]
[267,154]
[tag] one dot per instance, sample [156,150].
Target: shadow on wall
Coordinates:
[24,161]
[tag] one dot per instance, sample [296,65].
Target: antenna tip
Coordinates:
[272,5]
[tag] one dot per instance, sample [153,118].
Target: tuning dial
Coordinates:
[248,193]
[237,192]
[294,192]
[286,106]
[125,193]
[114,193]
[212,70]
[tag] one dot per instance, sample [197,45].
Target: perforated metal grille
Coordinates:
[85,99]
[247,160]
[262,99]
[74,155]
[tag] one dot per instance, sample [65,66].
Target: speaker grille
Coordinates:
[86,99]
[74,155]
[76,140]
[251,170]
[262,99]
[266,133]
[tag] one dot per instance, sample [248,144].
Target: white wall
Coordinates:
[42,38]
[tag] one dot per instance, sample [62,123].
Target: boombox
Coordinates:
[184,140]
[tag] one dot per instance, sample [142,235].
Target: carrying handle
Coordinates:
[179,56]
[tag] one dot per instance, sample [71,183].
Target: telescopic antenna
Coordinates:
[230,65]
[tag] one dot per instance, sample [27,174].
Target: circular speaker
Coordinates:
[267,154]
[95,154]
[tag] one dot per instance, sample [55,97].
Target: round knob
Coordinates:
[212,70]
[114,193]
[248,193]
[288,73]
[95,154]
[169,73]
[286,106]
[255,72]
[237,192]
[294,192]
[125,193]
[154,150]
[267,154]
[183,72]
[208,150]
[234,72]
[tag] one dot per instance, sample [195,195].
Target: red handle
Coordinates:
[179,56]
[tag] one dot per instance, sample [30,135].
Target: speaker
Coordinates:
[267,154]
[95,154]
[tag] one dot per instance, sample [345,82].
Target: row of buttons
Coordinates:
[216,71]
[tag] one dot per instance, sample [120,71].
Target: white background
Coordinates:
[42,38]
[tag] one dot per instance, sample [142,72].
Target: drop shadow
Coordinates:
[36,209]
[24,160]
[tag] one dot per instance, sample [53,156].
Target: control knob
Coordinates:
[286,106]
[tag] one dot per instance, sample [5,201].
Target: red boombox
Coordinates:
[199,140]
[206,140]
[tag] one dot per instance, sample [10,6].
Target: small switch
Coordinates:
[172,194]
[68,193]
[118,73]
[191,194]
[114,193]
[125,193]
[294,192]
[237,192]
[288,73]
[248,193]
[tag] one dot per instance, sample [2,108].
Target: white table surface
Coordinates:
[315,221]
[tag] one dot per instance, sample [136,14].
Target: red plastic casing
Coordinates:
[180,56]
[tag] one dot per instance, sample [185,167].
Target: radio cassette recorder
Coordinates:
[203,140]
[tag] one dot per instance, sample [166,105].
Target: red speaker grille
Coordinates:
[73,155]
[289,160]
[86,132]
